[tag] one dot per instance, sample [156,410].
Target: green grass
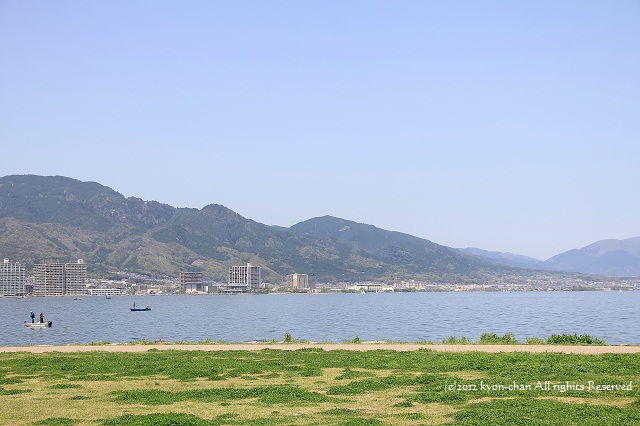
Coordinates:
[544,412]
[313,386]
[453,340]
[485,339]
[13,391]
[56,421]
[266,394]
[573,339]
[65,386]
[494,339]
[348,373]
[156,419]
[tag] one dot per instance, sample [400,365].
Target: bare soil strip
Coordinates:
[589,350]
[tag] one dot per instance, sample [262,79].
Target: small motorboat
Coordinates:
[46,324]
[140,309]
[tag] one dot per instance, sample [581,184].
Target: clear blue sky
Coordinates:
[505,125]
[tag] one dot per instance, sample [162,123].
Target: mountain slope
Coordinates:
[606,257]
[393,248]
[510,259]
[85,205]
[214,230]
[47,219]
[59,219]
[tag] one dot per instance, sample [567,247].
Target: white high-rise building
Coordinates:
[12,279]
[243,278]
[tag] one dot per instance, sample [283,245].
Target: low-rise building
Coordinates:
[105,291]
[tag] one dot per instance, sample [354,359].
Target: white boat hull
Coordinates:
[46,324]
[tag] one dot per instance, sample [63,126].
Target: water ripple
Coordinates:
[611,316]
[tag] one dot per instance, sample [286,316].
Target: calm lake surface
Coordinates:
[611,316]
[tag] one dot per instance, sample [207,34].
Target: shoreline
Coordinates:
[365,346]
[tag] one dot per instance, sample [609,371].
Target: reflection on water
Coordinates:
[611,316]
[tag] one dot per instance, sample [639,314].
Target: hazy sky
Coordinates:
[505,125]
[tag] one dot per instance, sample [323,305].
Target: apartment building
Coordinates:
[191,282]
[243,278]
[12,279]
[60,279]
[301,281]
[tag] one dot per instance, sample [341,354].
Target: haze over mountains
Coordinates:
[54,218]
[607,257]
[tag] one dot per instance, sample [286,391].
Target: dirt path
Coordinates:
[329,347]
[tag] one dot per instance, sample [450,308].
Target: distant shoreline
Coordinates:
[370,346]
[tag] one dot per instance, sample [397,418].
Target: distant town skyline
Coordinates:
[504,126]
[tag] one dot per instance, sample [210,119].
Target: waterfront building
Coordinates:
[301,281]
[191,282]
[243,279]
[112,291]
[12,279]
[60,279]
[370,288]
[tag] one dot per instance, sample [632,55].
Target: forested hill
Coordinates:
[54,218]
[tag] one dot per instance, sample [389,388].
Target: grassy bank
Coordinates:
[312,386]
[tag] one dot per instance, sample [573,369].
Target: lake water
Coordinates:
[611,316]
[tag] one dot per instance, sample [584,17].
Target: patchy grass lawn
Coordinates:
[316,387]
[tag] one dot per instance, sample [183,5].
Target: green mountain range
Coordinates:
[59,219]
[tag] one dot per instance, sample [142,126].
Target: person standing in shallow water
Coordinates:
[41,317]
[32,316]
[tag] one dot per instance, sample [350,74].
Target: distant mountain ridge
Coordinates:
[87,205]
[606,257]
[54,218]
[381,245]
[506,258]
